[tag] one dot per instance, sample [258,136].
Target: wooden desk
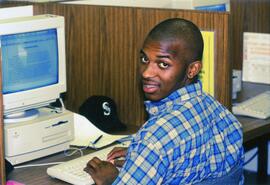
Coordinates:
[255,134]
[38,175]
[253,128]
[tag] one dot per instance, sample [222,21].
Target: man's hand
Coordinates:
[102,172]
[115,156]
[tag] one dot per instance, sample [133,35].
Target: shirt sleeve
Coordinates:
[144,165]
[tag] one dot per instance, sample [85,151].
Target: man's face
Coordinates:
[162,68]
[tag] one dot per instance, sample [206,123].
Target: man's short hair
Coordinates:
[183,30]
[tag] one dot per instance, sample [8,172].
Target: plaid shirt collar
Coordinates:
[183,94]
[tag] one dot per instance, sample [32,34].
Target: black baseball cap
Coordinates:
[102,112]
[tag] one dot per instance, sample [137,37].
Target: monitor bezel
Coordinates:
[42,96]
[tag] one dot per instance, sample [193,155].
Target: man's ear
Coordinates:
[193,69]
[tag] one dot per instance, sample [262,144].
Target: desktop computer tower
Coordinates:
[49,133]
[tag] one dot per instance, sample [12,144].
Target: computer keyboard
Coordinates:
[72,171]
[257,107]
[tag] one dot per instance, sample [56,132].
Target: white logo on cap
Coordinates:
[106,108]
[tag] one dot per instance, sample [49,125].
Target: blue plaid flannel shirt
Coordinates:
[189,137]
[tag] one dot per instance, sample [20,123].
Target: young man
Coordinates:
[189,137]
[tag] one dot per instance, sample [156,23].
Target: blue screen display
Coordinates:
[29,60]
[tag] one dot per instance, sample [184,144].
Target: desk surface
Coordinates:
[252,129]
[38,175]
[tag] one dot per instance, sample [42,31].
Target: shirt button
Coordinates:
[154,110]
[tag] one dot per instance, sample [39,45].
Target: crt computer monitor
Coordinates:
[33,64]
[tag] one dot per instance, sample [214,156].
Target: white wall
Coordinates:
[16,12]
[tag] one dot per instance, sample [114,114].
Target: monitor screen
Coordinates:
[29,60]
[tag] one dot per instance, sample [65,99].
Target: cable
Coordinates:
[57,109]
[75,150]
[90,144]
[53,163]
[251,158]
[36,165]
[62,104]
[125,139]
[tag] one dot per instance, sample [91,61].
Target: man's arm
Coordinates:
[144,165]
[102,172]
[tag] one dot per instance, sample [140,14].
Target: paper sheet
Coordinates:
[256,57]
[86,133]
[207,73]
[37,1]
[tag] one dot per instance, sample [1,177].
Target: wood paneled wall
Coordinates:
[247,16]
[102,49]
[103,45]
